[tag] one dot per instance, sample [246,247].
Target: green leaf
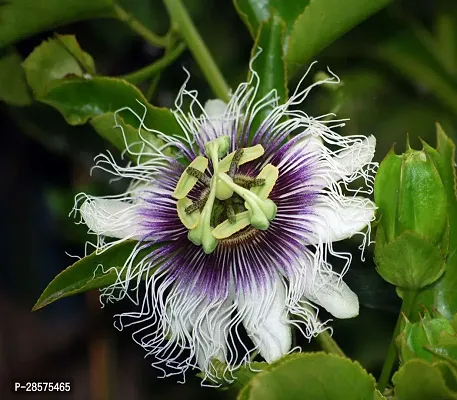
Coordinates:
[416,339]
[446,351]
[245,373]
[254,12]
[13,86]
[449,373]
[96,99]
[269,65]
[410,261]
[311,376]
[418,379]
[442,295]
[323,21]
[60,74]
[55,59]
[91,272]
[22,18]
[80,99]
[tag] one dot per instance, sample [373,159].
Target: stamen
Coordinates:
[249,154]
[235,161]
[227,228]
[187,181]
[230,211]
[269,175]
[251,194]
[197,205]
[199,175]
[189,220]
[248,183]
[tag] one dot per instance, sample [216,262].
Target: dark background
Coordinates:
[45,162]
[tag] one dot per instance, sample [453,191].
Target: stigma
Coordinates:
[229,201]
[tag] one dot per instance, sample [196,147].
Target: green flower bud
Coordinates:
[413,231]
[428,339]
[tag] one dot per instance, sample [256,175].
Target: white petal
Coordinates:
[335,221]
[204,324]
[215,108]
[113,218]
[350,160]
[331,293]
[314,144]
[212,331]
[265,318]
[140,192]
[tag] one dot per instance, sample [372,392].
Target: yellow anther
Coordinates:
[186,181]
[190,221]
[227,229]
[249,154]
[270,173]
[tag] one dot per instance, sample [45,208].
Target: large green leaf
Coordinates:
[81,99]
[91,272]
[61,75]
[269,65]
[13,86]
[323,21]
[316,376]
[55,59]
[418,379]
[254,12]
[22,18]
[442,295]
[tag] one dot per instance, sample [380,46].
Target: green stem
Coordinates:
[139,28]
[409,297]
[153,86]
[150,70]
[328,344]
[189,33]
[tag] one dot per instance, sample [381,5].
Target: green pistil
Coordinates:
[231,203]
[262,211]
[198,205]
[201,234]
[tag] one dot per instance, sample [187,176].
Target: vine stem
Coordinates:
[328,344]
[409,297]
[181,19]
[152,69]
[139,28]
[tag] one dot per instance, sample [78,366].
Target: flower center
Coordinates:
[230,202]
